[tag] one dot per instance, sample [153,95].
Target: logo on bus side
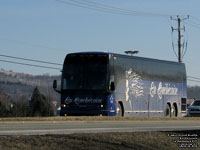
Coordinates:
[68,100]
[162,90]
[134,86]
[78,100]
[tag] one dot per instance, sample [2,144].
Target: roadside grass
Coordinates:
[101,141]
[97,118]
[92,141]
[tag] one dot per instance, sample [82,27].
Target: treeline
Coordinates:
[193,92]
[39,105]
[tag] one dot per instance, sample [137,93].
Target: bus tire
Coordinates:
[167,111]
[119,110]
[174,111]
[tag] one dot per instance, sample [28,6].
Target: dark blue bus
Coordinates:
[100,83]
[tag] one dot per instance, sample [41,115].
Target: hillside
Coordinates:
[16,85]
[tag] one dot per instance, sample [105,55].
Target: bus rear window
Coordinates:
[86,58]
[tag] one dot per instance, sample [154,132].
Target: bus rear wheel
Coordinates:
[174,111]
[167,111]
[119,110]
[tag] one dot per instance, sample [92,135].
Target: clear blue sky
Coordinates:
[47,30]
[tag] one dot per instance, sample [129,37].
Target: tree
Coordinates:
[3,111]
[40,105]
[20,108]
[4,104]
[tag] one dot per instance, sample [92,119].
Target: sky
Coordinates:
[47,30]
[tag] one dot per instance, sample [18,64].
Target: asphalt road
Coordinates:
[67,127]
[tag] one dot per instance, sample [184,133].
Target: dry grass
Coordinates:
[96,118]
[93,141]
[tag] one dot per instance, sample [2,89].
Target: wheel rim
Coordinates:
[174,111]
[119,110]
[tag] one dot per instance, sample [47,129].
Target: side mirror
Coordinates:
[55,84]
[112,86]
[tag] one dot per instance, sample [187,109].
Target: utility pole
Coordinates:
[179,41]
[179,35]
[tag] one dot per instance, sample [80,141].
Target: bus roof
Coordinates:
[126,56]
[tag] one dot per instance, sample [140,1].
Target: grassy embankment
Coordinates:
[96,118]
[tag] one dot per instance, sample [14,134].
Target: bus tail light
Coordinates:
[63,105]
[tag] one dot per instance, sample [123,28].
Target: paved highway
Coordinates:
[67,127]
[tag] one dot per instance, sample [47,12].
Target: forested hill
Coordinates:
[16,85]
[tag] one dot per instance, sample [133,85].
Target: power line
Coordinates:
[193,25]
[30,44]
[197,24]
[39,66]
[123,10]
[33,60]
[110,9]
[193,80]
[193,77]
[195,18]
[88,7]
[173,47]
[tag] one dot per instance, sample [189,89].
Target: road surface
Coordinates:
[68,127]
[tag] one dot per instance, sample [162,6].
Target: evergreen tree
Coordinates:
[40,105]
[4,104]
[3,111]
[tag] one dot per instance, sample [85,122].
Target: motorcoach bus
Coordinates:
[100,83]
